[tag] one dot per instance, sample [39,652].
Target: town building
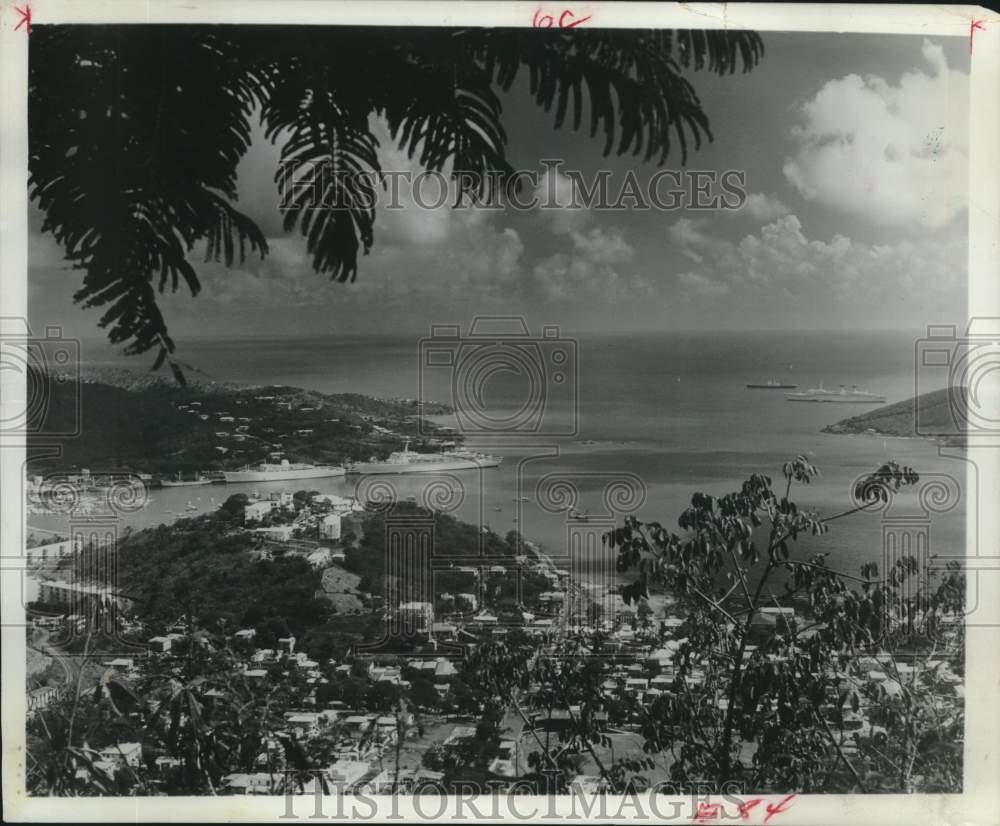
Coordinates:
[330,526]
[256,511]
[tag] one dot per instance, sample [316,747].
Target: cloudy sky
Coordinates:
[855,152]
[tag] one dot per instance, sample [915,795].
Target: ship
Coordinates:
[409,461]
[183,483]
[841,396]
[772,384]
[285,471]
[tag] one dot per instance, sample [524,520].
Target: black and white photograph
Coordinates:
[582,411]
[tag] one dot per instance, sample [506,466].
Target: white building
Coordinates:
[123,754]
[345,773]
[420,614]
[330,526]
[338,504]
[51,551]
[256,511]
[160,645]
[276,533]
[320,557]
[466,602]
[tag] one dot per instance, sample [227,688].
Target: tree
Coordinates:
[234,505]
[799,709]
[136,134]
[423,694]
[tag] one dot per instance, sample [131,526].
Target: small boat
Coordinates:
[579,516]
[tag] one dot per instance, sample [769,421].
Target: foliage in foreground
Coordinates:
[797,706]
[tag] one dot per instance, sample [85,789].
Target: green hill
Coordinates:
[132,421]
[933,411]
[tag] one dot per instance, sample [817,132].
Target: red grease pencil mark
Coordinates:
[974,26]
[707,812]
[567,20]
[745,808]
[25,18]
[777,809]
[563,24]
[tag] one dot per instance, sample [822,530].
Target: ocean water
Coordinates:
[636,424]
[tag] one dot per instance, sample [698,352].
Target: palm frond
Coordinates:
[330,161]
[632,83]
[136,134]
[129,211]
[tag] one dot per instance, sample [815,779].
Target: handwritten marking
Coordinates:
[567,20]
[773,809]
[708,811]
[25,18]
[975,26]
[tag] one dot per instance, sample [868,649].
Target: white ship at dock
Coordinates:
[409,461]
[282,472]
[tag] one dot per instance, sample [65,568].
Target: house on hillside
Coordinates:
[123,754]
[256,511]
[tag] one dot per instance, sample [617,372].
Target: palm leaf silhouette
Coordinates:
[135,133]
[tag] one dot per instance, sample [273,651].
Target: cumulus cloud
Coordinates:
[793,270]
[603,246]
[558,194]
[762,207]
[702,284]
[591,268]
[894,155]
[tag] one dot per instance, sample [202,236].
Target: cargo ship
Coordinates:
[841,396]
[409,461]
[285,471]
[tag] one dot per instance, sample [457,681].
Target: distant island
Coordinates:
[143,423]
[933,411]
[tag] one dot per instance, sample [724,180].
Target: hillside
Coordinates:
[132,421]
[933,411]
